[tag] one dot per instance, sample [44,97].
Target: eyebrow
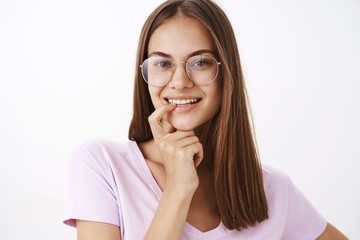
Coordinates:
[198,52]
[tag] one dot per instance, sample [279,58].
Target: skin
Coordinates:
[174,155]
[181,38]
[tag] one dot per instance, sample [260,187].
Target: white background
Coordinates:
[66,75]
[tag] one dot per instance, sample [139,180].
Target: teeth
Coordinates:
[182,101]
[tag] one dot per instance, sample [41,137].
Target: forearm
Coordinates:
[332,233]
[170,216]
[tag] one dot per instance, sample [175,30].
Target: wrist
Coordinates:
[180,191]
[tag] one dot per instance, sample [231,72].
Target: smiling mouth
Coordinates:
[183,102]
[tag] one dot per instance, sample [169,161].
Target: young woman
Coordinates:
[191,169]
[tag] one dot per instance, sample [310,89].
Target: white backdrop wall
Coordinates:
[66,75]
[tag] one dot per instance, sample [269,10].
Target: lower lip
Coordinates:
[186,108]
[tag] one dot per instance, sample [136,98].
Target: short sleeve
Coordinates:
[303,221]
[92,194]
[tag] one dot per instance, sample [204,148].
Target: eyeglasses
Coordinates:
[201,70]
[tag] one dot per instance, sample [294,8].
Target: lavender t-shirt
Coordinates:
[110,182]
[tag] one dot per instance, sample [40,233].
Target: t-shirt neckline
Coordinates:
[189,229]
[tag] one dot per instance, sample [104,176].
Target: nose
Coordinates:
[179,78]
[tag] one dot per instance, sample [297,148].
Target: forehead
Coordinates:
[180,36]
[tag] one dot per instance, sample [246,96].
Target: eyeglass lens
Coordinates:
[157,71]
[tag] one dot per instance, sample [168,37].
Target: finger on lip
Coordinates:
[160,112]
[157,121]
[171,104]
[166,108]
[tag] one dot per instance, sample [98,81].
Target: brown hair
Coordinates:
[228,140]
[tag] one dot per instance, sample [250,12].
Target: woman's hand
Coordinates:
[180,151]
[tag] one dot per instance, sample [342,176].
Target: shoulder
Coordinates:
[94,167]
[100,154]
[274,176]
[101,148]
[277,186]
[289,207]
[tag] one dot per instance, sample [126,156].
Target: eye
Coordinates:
[163,64]
[201,63]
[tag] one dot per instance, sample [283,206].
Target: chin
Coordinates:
[183,126]
[187,125]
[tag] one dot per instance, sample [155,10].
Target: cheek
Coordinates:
[155,96]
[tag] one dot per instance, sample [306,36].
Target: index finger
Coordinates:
[156,117]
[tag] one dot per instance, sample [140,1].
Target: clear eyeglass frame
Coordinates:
[186,68]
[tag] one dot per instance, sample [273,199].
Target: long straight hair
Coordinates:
[229,143]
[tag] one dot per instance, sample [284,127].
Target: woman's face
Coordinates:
[180,38]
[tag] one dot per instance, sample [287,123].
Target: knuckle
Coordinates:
[151,118]
[180,154]
[162,144]
[196,139]
[171,148]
